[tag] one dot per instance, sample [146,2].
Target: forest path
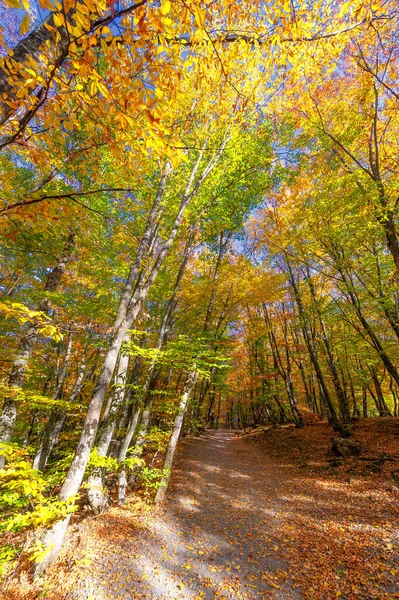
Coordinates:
[263,516]
[218,535]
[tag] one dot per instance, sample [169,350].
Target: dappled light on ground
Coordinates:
[241,524]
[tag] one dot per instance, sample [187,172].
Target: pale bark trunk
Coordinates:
[96,492]
[189,384]
[48,52]
[128,310]
[223,243]
[32,47]
[146,397]
[122,479]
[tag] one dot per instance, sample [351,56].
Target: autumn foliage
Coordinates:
[198,230]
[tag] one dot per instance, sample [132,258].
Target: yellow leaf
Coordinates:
[90,4]
[165,8]
[25,4]
[344,9]
[13,3]
[23,28]
[58,19]
[199,17]
[84,9]
[80,18]
[103,89]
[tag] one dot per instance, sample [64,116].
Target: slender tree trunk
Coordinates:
[380,400]
[122,478]
[374,340]
[364,403]
[146,399]
[37,412]
[339,390]
[129,307]
[298,361]
[189,384]
[218,412]
[283,370]
[312,350]
[96,492]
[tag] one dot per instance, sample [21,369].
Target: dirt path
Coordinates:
[242,522]
[215,538]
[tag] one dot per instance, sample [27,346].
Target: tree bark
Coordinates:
[57,417]
[27,344]
[189,384]
[96,492]
[283,370]
[312,350]
[339,390]
[48,52]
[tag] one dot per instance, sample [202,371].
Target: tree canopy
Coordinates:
[198,229]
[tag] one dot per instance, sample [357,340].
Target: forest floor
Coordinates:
[270,514]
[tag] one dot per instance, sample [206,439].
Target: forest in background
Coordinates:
[198,230]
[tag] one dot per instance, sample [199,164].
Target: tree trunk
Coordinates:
[96,491]
[339,390]
[283,370]
[146,399]
[380,400]
[312,350]
[189,384]
[47,47]
[57,420]
[122,479]
[364,403]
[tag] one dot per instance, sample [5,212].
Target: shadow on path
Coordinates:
[215,538]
